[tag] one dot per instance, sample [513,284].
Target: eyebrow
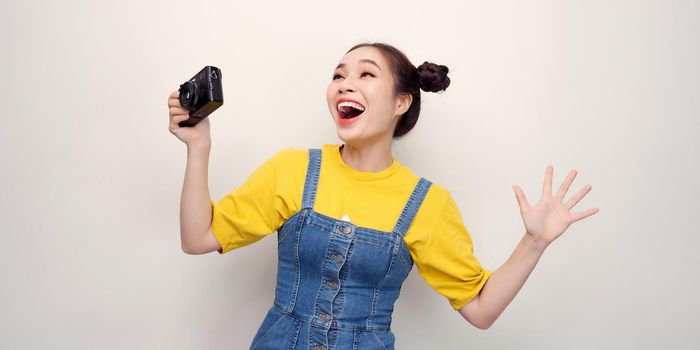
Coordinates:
[365,60]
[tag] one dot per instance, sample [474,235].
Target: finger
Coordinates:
[174,94]
[547,187]
[575,199]
[173,102]
[584,214]
[520,196]
[565,185]
[176,120]
[177,111]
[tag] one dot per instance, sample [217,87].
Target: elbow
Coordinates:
[188,245]
[476,316]
[187,249]
[487,320]
[483,325]
[480,323]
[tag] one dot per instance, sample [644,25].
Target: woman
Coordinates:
[352,220]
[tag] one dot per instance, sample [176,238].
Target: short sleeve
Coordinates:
[249,212]
[447,262]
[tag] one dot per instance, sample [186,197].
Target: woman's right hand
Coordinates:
[190,135]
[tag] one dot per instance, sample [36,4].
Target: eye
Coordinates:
[337,76]
[367,73]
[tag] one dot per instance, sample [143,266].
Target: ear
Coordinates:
[403,102]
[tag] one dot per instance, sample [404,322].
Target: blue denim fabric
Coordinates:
[336,282]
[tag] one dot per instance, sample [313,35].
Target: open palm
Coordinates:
[550,217]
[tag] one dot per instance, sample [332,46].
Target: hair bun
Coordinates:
[433,77]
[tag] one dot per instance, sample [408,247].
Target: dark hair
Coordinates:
[409,79]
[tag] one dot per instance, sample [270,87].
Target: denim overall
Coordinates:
[336,282]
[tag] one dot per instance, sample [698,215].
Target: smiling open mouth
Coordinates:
[349,110]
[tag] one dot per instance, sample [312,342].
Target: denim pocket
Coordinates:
[271,320]
[386,338]
[286,229]
[282,233]
[404,257]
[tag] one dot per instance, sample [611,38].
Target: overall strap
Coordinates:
[411,208]
[311,182]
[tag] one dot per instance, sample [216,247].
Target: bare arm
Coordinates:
[195,206]
[503,284]
[544,222]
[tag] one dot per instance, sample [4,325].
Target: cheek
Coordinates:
[329,96]
[383,100]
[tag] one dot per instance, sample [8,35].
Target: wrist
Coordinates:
[199,146]
[535,244]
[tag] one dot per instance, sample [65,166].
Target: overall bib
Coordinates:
[336,282]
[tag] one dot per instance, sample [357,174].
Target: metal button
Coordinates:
[319,347]
[337,258]
[331,284]
[345,229]
[324,316]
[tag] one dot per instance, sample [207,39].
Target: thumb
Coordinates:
[520,196]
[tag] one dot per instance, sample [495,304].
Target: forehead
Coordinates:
[360,55]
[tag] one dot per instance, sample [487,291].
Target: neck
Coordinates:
[370,158]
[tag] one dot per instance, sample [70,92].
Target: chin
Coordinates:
[348,136]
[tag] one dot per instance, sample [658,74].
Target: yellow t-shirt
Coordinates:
[438,242]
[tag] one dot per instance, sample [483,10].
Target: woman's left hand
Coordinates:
[550,217]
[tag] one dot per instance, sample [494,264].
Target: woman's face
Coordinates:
[363,79]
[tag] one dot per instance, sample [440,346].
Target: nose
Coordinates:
[346,85]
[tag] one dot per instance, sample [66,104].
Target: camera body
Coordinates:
[201,95]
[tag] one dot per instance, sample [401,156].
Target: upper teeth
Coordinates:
[350,104]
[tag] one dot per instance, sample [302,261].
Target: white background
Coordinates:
[91,176]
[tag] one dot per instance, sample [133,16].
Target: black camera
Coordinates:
[201,95]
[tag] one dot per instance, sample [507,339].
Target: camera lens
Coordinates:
[189,95]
